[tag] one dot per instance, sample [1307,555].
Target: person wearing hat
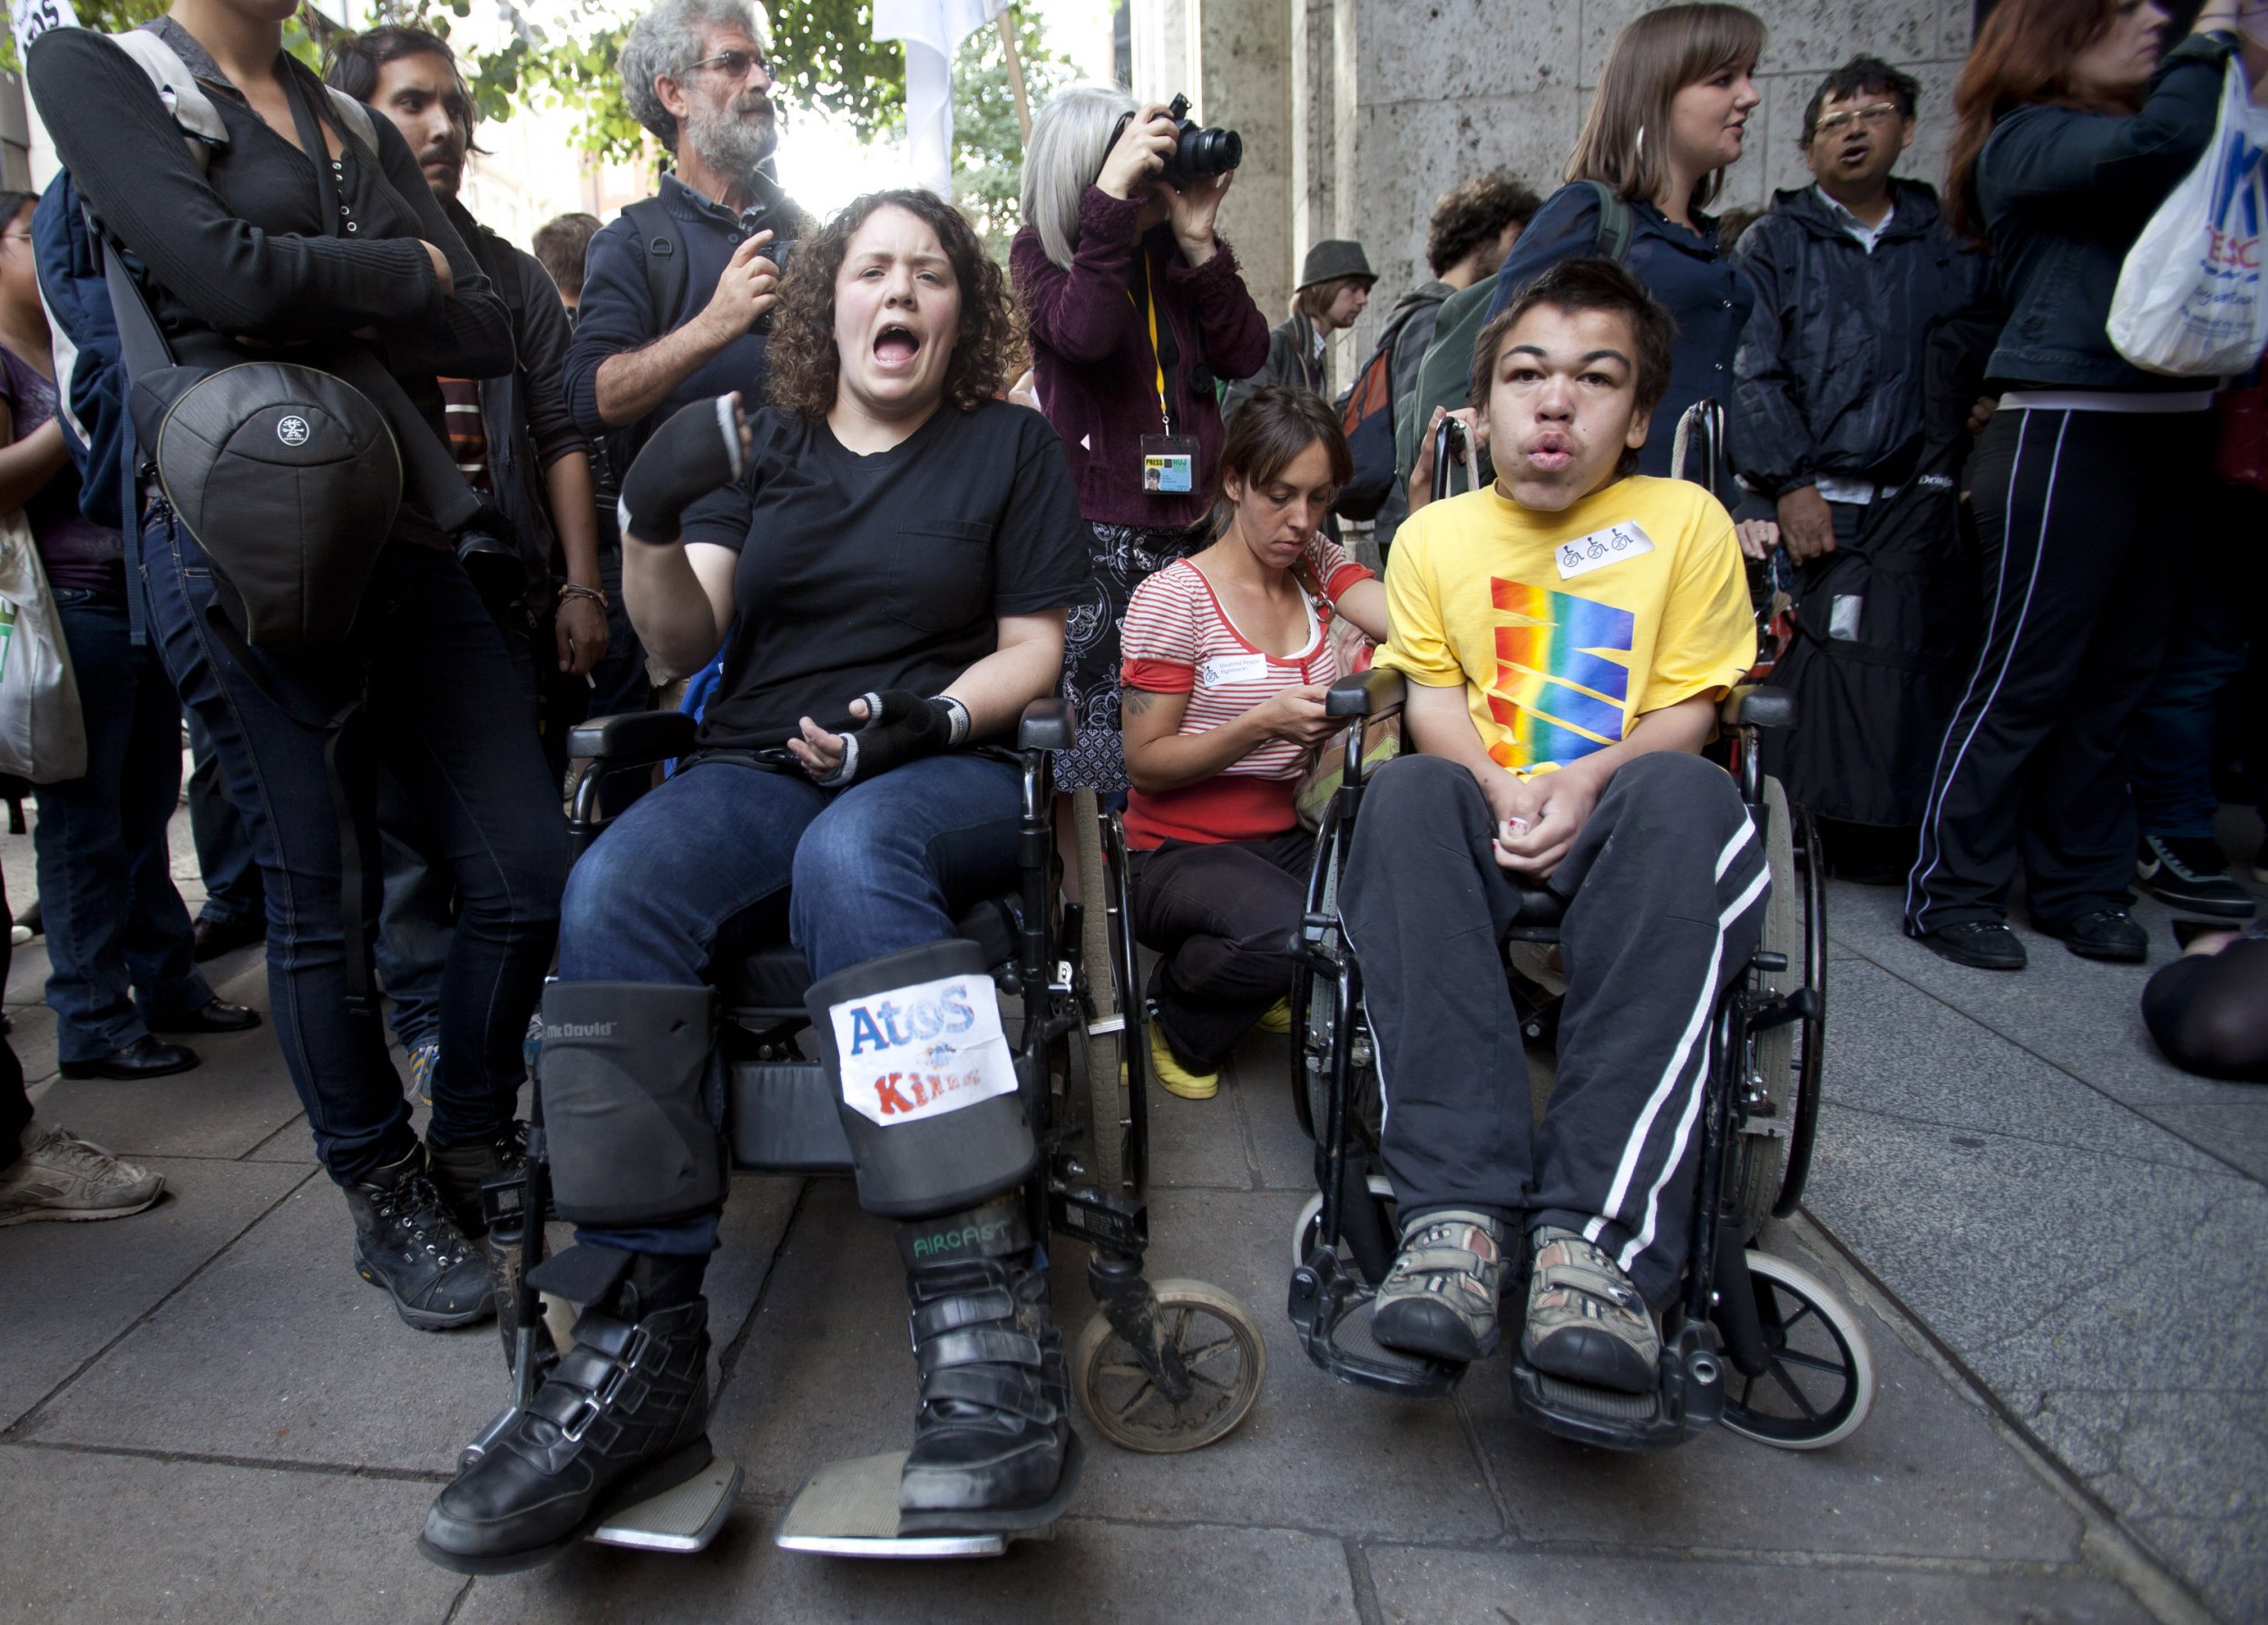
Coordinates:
[1334,284]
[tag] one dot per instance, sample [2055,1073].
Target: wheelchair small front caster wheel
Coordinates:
[1219,1346]
[1818,1383]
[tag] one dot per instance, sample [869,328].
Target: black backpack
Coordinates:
[1367,414]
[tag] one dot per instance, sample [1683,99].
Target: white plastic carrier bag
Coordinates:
[2190,301]
[42,734]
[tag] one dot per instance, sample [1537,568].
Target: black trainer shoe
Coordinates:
[2105,934]
[407,1242]
[2192,873]
[993,1427]
[620,1418]
[1980,944]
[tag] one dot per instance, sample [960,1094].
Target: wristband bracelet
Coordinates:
[577,590]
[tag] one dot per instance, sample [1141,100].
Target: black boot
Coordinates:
[406,1241]
[994,1426]
[620,1419]
[460,1172]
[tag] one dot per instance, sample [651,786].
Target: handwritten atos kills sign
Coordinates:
[33,18]
[922,1051]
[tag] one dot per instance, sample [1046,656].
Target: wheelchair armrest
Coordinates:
[1048,724]
[633,738]
[1364,694]
[1750,705]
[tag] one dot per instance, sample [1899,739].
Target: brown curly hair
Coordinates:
[805,369]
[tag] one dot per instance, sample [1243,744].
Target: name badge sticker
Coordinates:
[1614,546]
[922,1051]
[1224,669]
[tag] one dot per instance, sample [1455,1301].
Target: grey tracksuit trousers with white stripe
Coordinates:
[1668,884]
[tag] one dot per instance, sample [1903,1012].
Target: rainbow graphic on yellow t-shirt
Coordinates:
[1562,675]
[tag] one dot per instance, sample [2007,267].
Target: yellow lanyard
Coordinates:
[1165,413]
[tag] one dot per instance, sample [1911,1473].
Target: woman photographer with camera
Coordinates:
[298,239]
[1135,310]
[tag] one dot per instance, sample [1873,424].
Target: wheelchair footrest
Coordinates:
[684,1519]
[1690,1398]
[850,1509]
[1332,1312]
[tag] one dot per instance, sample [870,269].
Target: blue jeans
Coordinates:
[224,846]
[2178,725]
[115,926]
[881,867]
[444,713]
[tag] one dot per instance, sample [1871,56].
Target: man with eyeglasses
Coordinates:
[1829,418]
[697,74]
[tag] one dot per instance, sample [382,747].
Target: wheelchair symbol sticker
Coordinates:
[1612,545]
[292,431]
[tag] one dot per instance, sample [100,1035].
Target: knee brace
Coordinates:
[925,1081]
[628,1132]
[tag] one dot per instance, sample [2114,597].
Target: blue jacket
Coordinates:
[1830,378]
[617,311]
[2063,195]
[1684,272]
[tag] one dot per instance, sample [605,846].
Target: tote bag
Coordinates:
[43,735]
[2189,301]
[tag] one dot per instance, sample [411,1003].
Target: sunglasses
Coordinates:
[1835,124]
[735,63]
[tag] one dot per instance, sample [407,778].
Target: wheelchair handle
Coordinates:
[1370,693]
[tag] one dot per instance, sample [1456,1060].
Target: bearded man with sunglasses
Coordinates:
[697,72]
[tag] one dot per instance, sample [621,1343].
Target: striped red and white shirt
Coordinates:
[1177,640]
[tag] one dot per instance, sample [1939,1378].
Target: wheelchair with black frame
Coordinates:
[1165,1366]
[1801,1374]
[1756,1343]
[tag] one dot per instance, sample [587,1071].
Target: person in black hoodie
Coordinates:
[248,248]
[1852,274]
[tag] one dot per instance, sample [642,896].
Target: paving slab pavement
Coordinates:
[213,1419]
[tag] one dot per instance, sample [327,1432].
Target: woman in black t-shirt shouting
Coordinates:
[885,552]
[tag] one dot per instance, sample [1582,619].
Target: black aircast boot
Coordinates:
[406,1241]
[993,1427]
[620,1418]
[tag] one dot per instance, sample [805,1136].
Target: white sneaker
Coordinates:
[18,935]
[60,1176]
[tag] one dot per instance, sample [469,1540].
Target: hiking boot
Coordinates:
[459,1171]
[407,1242]
[60,1176]
[423,1058]
[1440,1298]
[1175,1075]
[1585,1321]
[620,1418]
[993,1427]
[2192,873]
[1980,944]
[2107,933]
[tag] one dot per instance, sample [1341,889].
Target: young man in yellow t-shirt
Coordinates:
[1567,635]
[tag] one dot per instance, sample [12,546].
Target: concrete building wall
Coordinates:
[1384,104]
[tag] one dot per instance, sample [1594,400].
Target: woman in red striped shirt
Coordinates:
[1227,654]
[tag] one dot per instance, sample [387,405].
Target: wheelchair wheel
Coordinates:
[1220,1348]
[1777,1056]
[1813,1065]
[1310,1220]
[1105,1068]
[1819,1384]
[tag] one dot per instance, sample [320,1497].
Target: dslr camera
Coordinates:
[1198,154]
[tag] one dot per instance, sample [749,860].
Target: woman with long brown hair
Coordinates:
[2085,485]
[1670,118]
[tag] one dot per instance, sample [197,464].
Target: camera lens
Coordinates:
[1202,152]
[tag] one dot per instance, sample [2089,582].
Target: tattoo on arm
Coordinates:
[1133,702]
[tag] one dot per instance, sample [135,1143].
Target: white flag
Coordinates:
[931,30]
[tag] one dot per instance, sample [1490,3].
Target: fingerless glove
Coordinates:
[901,727]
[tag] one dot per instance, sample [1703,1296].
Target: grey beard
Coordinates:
[729,144]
